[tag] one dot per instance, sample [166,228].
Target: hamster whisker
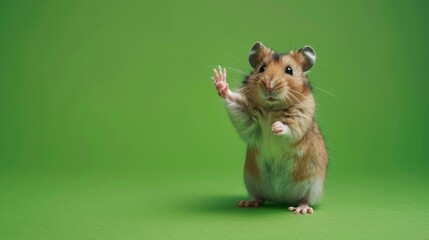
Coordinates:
[297,92]
[297,100]
[229,68]
[234,57]
[286,98]
[323,90]
[236,70]
[253,94]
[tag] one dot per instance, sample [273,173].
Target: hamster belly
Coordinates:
[275,181]
[269,168]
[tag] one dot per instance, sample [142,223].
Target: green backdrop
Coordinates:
[110,127]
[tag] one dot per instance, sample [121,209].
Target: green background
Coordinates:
[110,127]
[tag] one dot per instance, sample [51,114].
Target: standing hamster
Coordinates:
[273,112]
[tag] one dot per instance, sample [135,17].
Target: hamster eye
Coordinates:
[262,69]
[289,70]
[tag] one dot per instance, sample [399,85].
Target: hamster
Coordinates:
[273,113]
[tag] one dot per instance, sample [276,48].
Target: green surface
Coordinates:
[110,127]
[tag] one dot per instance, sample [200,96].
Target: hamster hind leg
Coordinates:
[312,195]
[251,180]
[254,192]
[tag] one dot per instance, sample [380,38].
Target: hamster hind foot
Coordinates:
[250,203]
[303,208]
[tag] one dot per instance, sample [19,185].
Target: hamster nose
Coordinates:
[269,86]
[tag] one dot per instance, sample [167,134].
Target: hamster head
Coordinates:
[279,79]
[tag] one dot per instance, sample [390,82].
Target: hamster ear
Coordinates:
[310,57]
[256,54]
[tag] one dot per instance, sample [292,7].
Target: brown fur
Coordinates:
[315,158]
[250,166]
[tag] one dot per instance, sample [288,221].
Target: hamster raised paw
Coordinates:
[273,113]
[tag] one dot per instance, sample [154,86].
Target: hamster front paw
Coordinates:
[220,82]
[278,128]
